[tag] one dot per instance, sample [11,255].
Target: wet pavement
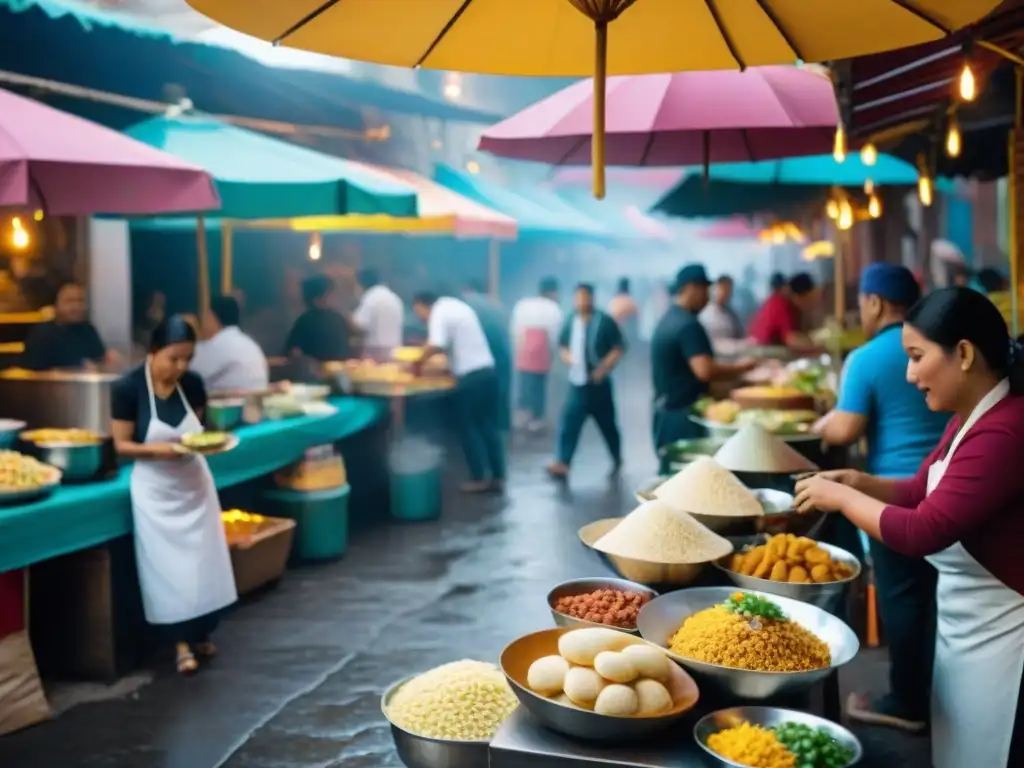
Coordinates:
[303,666]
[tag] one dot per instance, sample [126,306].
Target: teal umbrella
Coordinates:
[695,198]
[259,177]
[817,170]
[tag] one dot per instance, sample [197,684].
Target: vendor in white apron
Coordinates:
[964,511]
[181,552]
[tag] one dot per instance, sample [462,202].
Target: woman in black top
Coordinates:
[181,551]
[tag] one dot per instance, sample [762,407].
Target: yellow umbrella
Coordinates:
[571,37]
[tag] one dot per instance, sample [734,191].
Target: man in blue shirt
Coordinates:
[878,403]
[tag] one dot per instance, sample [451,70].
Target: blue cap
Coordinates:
[691,274]
[891,282]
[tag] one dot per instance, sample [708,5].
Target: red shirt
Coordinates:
[774,321]
[979,502]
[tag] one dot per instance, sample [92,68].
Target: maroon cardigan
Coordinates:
[979,502]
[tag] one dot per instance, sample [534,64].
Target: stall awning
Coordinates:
[260,178]
[532,216]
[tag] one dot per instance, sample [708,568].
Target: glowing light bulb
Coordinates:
[453,86]
[869,187]
[19,237]
[473,166]
[38,215]
[832,210]
[924,190]
[874,206]
[845,215]
[839,145]
[869,154]
[954,139]
[968,85]
[315,247]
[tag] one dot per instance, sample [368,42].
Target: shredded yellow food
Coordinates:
[752,745]
[462,701]
[716,636]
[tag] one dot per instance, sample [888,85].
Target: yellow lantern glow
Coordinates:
[954,139]
[20,237]
[315,246]
[869,154]
[869,187]
[874,206]
[473,167]
[967,84]
[839,145]
[845,215]
[832,210]
[925,192]
[38,215]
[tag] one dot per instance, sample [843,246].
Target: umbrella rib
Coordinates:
[447,28]
[726,37]
[774,19]
[745,136]
[322,8]
[926,18]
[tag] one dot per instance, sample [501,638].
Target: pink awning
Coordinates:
[735,228]
[69,166]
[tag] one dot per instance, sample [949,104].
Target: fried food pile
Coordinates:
[789,558]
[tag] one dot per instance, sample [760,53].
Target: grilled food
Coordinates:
[23,473]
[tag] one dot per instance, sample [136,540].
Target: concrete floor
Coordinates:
[304,665]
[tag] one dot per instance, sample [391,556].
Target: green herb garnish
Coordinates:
[813,747]
[751,607]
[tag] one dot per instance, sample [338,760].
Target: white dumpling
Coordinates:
[649,661]
[652,697]
[581,645]
[564,700]
[583,685]
[615,667]
[617,700]
[546,675]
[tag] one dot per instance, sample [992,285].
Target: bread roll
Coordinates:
[615,667]
[649,661]
[617,701]
[546,675]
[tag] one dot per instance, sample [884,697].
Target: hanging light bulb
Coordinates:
[845,215]
[869,187]
[19,237]
[839,145]
[967,84]
[874,206]
[315,246]
[473,167]
[954,139]
[924,189]
[38,215]
[832,209]
[869,154]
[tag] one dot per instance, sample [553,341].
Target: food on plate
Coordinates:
[752,745]
[813,747]
[547,675]
[608,672]
[780,422]
[722,411]
[463,701]
[793,559]
[604,606]
[655,533]
[705,487]
[50,436]
[23,473]
[754,449]
[772,391]
[749,632]
[204,441]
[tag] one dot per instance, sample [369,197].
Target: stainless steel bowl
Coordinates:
[423,752]
[584,586]
[787,520]
[661,617]
[9,431]
[821,595]
[77,461]
[515,661]
[646,490]
[767,717]
[224,415]
[663,577]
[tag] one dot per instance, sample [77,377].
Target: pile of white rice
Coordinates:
[705,487]
[656,533]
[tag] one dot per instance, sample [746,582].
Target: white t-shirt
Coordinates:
[455,327]
[380,315]
[231,360]
[536,312]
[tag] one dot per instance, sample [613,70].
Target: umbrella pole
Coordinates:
[839,275]
[226,257]
[600,76]
[494,267]
[204,265]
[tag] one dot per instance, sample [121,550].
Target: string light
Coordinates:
[452,86]
[845,215]
[954,139]
[869,154]
[19,236]
[832,210]
[473,167]
[839,145]
[874,206]
[869,187]
[967,83]
[38,215]
[924,189]
[315,246]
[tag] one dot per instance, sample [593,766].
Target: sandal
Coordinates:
[206,649]
[186,662]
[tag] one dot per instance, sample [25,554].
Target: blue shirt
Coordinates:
[901,430]
[678,338]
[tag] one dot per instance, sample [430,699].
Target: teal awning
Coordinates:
[259,177]
[536,214]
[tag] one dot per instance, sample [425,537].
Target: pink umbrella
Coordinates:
[736,228]
[686,118]
[70,166]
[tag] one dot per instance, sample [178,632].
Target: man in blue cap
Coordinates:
[877,402]
[682,361]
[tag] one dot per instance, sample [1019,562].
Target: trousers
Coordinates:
[581,403]
[477,402]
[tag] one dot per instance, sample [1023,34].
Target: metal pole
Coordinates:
[494,268]
[226,258]
[203,265]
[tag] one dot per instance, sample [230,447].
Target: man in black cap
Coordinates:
[682,360]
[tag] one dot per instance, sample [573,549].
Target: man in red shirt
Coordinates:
[777,322]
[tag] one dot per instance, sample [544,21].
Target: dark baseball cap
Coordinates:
[691,274]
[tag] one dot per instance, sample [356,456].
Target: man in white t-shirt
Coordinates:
[453,327]
[536,323]
[380,314]
[228,359]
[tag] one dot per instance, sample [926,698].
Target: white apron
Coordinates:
[979,648]
[180,548]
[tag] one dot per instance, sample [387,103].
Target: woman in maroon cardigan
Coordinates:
[964,511]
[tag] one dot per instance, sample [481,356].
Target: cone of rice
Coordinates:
[656,533]
[705,487]
[754,449]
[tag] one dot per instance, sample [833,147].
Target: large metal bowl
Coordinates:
[767,717]
[225,415]
[822,595]
[661,617]
[663,577]
[783,518]
[515,661]
[9,431]
[79,462]
[423,752]
[585,586]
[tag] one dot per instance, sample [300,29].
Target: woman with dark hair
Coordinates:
[181,552]
[964,511]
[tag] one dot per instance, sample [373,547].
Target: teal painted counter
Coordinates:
[79,517]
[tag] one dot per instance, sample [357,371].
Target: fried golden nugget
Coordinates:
[821,574]
[736,562]
[752,560]
[817,556]
[765,566]
[780,571]
[798,575]
[777,545]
